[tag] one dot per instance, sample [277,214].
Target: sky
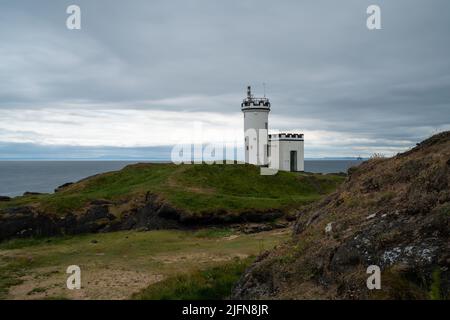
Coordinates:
[141,76]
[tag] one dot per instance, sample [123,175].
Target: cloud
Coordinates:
[140,75]
[116,127]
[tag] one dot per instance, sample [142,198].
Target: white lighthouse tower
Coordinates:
[280,151]
[256,125]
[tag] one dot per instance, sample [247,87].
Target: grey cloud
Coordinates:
[317,57]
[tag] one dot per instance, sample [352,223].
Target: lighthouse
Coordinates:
[256,125]
[279,151]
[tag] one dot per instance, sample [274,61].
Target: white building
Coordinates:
[282,151]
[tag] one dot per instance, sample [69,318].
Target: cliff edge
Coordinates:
[390,212]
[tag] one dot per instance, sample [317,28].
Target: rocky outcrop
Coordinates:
[30,193]
[150,213]
[24,222]
[96,217]
[27,221]
[261,227]
[154,215]
[393,213]
[63,186]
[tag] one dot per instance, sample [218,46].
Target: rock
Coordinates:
[61,187]
[100,202]
[371,216]
[291,217]
[94,241]
[26,222]
[28,193]
[255,228]
[168,212]
[257,216]
[4,198]
[280,225]
[96,218]
[152,215]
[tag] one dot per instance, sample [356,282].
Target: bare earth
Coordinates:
[116,265]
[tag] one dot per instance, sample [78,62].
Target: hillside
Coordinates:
[393,213]
[159,196]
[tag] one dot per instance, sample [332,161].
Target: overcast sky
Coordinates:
[147,73]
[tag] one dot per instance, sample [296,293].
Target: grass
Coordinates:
[11,271]
[211,284]
[194,188]
[435,288]
[214,233]
[396,285]
[119,264]
[20,243]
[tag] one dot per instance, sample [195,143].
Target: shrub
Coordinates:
[211,284]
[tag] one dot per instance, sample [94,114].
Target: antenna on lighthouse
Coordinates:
[264,86]
[249,92]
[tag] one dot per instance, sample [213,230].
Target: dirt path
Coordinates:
[173,183]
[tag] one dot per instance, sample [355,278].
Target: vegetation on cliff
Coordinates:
[390,212]
[192,188]
[162,196]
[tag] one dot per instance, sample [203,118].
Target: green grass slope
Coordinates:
[191,188]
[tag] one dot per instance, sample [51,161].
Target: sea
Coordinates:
[17,177]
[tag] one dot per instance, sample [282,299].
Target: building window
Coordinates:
[266,126]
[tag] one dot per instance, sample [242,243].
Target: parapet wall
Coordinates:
[260,103]
[286,136]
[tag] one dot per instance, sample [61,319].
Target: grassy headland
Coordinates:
[191,188]
[201,263]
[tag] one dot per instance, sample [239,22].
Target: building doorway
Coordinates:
[293,161]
